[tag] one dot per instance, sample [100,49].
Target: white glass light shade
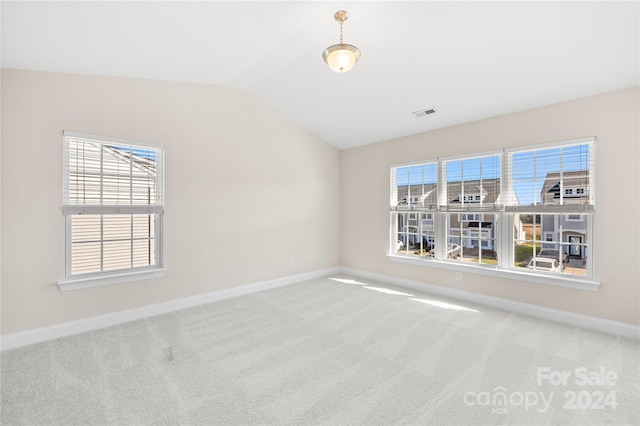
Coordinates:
[341,57]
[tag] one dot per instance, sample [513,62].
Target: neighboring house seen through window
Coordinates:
[113,206]
[528,210]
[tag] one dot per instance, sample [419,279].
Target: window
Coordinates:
[470,217]
[470,198]
[113,207]
[412,236]
[517,210]
[470,184]
[543,181]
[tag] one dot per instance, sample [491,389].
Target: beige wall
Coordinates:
[245,190]
[613,118]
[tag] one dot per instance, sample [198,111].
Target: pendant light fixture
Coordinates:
[341,57]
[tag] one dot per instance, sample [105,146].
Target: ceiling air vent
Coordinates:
[423,112]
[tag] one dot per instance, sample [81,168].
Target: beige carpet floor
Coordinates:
[331,351]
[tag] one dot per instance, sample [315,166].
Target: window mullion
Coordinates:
[535,172]
[131,176]
[101,242]
[441,187]
[131,203]
[504,235]
[440,237]
[462,193]
[68,245]
[409,186]
[561,179]
[131,241]
[101,174]
[481,200]
[589,250]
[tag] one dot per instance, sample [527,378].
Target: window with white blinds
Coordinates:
[529,210]
[415,186]
[113,205]
[552,178]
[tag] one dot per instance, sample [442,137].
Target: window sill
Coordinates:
[87,281]
[559,281]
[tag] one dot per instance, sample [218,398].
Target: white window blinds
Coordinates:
[111,173]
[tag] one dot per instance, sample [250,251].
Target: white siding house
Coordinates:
[566,232]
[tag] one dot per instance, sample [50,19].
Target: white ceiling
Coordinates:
[468,60]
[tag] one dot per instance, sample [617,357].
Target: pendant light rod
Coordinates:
[341,16]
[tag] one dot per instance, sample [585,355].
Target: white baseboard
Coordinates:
[23,338]
[585,321]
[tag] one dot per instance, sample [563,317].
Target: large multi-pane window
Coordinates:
[113,206]
[528,210]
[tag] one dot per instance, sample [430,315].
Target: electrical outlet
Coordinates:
[291,262]
[458,276]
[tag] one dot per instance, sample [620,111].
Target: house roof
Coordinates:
[140,163]
[489,189]
[578,178]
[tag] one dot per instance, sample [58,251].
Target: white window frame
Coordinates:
[78,281]
[503,233]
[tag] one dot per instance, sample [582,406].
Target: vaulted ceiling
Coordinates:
[467,60]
